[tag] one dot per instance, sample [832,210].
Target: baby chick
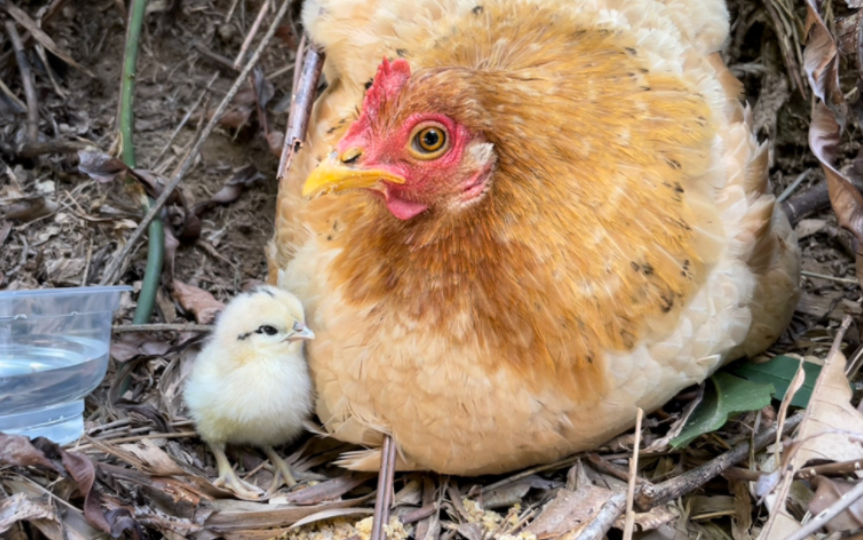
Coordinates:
[250,383]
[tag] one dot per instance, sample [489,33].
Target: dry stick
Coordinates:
[839,468]
[136,438]
[831,512]
[252,32]
[115,269]
[385,479]
[27,81]
[845,281]
[301,105]
[651,495]
[167,327]
[214,57]
[604,519]
[35,149]
[633,473]
[11,95]
[793,186]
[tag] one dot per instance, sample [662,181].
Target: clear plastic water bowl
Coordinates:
[53,352]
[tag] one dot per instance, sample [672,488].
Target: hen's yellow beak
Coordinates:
[333,175]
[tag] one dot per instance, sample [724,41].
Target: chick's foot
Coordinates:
[283,473]
[229,479]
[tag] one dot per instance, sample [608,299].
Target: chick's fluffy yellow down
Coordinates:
[628,247]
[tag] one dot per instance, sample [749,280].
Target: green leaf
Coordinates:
[726,396]
[779,371]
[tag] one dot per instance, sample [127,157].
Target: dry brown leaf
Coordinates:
[827,492]
[30,208]
[807,227]
[821,62]
[17,450]
[741,522]
[71,524]
[829,410]
[130,345]
[19,507]
[569,511]
[233,518]
[656,518]
[100,166]
[83,472]
[847,202]
[513,492]
[145,456]
[325,491]
[190,488]
[201,303]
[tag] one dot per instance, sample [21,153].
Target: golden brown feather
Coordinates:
[626,245]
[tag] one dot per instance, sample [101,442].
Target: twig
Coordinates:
[26,81]
[161,327]
[136,438]
[846,281]
[231,10]
[301,105]
[605,518]
[633,473]
[15,99]
[651,495]
[814,199]
[214,57]
[251,35]
[831,512]
[793,186]
[114,270]
[839,468]
[35,149]
[383,498]
[87,260]
[618,471]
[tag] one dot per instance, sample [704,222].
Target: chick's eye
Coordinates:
[429,142]
[267,329]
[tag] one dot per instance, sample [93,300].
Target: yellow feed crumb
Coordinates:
[344,527]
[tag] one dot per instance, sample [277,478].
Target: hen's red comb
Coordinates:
[387,82]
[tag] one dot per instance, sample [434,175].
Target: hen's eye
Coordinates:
[431,139]
[267,329]
[429,142]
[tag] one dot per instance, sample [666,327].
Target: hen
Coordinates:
[550,214]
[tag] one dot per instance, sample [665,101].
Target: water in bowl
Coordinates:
[43,381]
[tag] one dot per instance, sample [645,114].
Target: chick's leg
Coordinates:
[283,470]
[229,479]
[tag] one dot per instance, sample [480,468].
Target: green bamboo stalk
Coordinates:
[156,231]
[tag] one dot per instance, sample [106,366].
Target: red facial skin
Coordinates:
[444,181]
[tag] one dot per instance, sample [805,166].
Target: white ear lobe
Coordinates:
[480,154]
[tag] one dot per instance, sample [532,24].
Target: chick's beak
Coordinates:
[334,174]
[300,332]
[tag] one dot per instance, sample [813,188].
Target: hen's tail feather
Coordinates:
[370,461]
